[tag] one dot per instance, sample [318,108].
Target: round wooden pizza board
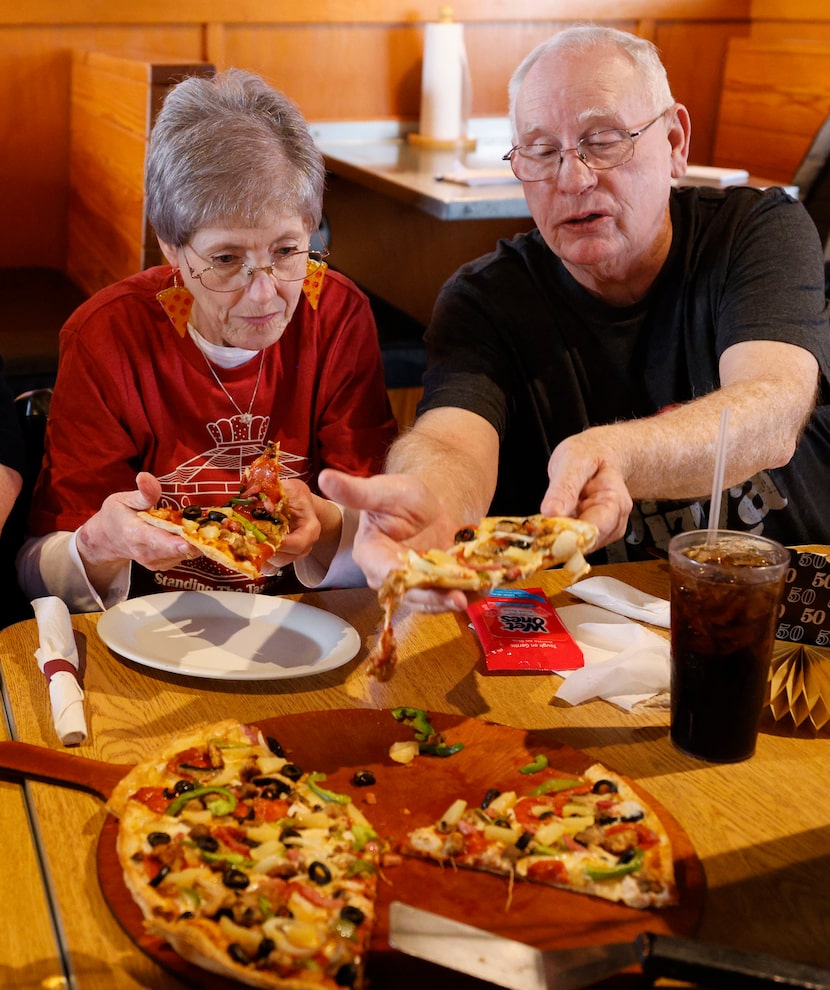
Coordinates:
[404,797]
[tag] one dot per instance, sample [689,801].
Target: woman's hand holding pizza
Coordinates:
[115,534]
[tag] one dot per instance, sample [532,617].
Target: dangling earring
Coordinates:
[313,281]
[177,302]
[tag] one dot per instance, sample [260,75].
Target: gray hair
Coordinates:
[584,38]
[230,150]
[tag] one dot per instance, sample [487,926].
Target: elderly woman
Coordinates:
[171,381]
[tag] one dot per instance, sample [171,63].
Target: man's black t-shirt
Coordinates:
[517,340]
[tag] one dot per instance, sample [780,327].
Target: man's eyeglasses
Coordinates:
[597,151]
[229,274]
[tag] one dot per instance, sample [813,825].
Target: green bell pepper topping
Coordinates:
[235,859]
[417,718]
[540,762]
[323,792]
[192,896]
[358,866]
[553,785]
[249,527]
[440,749]
[223,806]
[620,870]
[540,849]
[362,834]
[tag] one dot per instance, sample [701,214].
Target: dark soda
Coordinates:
[724,611]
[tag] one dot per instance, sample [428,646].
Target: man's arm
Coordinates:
[10,485]
[456,454]
[769,388]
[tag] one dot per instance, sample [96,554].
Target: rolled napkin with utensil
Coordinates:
[625,663]
[57,657]
[619,597]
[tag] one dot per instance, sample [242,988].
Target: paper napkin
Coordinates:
[625,663]
[623,599]
[57,657]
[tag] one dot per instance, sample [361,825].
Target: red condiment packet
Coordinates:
[521,632]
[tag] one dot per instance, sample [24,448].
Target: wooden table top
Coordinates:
[761,828]
[29,954]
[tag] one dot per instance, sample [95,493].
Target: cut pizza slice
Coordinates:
[246,532]
[247,866]
[500,550]
[589,833]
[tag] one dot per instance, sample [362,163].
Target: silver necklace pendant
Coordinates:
[246,418]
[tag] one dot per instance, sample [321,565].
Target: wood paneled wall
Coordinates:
[336,58]
[775,97]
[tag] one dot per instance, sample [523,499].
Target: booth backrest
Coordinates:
[115,99]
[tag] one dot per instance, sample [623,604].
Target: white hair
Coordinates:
[584,38]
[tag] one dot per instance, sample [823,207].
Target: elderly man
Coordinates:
[582,368]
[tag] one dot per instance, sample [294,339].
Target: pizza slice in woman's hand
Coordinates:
[244,533]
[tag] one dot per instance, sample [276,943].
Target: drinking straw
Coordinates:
[717,480]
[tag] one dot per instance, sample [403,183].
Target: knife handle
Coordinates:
[721,968]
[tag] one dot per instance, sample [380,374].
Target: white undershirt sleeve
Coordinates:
[343,572]
[52,565]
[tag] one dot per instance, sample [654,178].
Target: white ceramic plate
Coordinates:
[228,634]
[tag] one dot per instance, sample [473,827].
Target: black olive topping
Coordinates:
[275,747]
[289,833]
[162,873]
[265,948]
[638,816]
[238,954]
[363,778]
[215,516]
[523,841]
[489,797]
[179,788]
[350,912]
[547,814]
[463,535]
[292,771]
[185,915]
[260,512]
[273,785]
[604,787]
[192,512]
[158,838]
[235,879]
[223,912]
[346,975]
[207,843]
[502,822]
[628,855]
[319,873]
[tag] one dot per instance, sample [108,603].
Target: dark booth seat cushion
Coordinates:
[34,304]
